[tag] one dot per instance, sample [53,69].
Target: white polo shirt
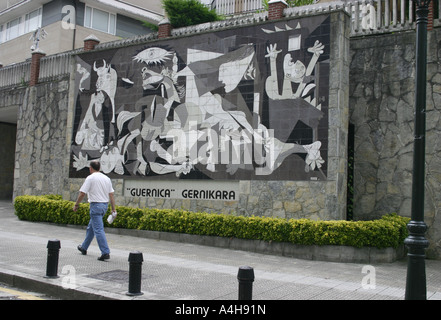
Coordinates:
[97,186]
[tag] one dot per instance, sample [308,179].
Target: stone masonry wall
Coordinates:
[382,74]
[41,139]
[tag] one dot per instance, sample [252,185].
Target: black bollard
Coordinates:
[135,273]
[246,278]
[53,249]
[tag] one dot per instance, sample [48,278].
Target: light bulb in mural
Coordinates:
[153,55]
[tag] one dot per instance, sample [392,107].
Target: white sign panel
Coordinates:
[183,189]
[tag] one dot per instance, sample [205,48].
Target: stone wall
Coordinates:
[382,86]
[41,139]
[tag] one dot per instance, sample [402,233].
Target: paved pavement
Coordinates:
[182,271]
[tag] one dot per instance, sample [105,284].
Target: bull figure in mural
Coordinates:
[107,81]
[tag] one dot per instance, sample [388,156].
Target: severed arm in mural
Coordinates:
[275,151]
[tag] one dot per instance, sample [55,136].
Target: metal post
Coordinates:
[416,242]
[135,273]
[246,278]
[53,249]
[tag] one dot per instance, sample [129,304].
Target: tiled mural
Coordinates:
[238,104]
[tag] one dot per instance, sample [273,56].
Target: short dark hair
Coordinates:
[95,165]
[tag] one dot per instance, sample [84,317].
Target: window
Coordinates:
[100,20]
[21,25]
[33,21]
[294,42]
[13,29]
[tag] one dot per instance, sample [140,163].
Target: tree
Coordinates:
[182,13]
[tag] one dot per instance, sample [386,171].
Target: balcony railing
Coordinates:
[232,7]
[16,74]
[373,16]
[50,67]
[55,65]
[368,17]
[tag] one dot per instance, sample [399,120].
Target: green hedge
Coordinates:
[389,231]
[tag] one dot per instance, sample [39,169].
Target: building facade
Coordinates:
[61,25]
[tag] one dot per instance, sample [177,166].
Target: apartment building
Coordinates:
[64,24]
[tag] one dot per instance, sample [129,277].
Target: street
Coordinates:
[10,293]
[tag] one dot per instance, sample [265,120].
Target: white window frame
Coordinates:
[23,26]
[9,29]
[27,19]
[89,18]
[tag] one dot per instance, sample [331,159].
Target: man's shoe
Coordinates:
[104,257]
[83,252]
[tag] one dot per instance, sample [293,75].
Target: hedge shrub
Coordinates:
[389,231]
[183,13]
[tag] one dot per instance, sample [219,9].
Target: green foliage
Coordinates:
[183,13]
[389,231]
[50,208]
[149,25]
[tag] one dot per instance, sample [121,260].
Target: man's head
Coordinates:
[95,165]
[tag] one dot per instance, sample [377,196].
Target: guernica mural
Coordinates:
[242,104]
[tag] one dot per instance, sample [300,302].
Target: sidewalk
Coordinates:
[174,271]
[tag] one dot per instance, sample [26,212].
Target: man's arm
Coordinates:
[80,198]
[112,201]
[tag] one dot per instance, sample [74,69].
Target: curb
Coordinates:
[35,283]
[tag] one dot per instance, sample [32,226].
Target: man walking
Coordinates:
[99,190]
